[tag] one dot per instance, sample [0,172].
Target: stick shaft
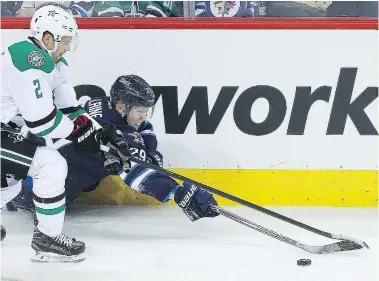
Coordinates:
[346,245]
[225,195]
[260,228]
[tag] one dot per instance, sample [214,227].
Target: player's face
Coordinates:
[136,116]
[48,41]
[66,44]
[121,108]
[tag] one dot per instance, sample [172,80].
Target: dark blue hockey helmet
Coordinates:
[132,91]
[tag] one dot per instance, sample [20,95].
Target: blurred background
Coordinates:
[191,9]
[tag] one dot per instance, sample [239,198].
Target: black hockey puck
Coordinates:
[3,233]
[304,262]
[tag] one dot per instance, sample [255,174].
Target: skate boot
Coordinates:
[23,201]
[60,248]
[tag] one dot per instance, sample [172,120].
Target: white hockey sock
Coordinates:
[49,170]
[50,216]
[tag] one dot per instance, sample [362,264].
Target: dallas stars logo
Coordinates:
[16,137]
[35,58]
[52,13]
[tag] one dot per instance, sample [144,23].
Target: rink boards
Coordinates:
[266,115]
[263,187]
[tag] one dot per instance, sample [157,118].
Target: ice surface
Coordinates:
[160,243]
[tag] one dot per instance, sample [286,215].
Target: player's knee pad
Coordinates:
[195,202]
[48,171]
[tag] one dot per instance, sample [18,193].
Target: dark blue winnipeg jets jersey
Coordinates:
[140,141]
[87,170]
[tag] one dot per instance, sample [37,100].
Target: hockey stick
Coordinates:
[347,243]
[341,246]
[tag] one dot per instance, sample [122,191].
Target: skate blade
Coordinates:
[44,257]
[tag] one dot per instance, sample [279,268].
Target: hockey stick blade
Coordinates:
[350,244]
[341,246]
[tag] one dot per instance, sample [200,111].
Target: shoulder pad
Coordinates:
[26,55]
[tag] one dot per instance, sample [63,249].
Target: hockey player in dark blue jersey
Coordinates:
[123,116]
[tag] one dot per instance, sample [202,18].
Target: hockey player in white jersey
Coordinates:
[37,95]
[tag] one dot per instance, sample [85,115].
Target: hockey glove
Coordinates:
[24,131]
[114,139]
[35,139]
[195,202]
[85,137]
[155,158]
[112,163]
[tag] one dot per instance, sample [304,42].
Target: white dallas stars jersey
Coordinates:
[36,88]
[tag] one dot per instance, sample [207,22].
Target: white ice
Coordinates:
[160,243]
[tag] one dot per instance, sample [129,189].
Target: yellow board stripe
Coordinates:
[332,188]
[339,188]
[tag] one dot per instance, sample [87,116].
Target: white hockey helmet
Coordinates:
[55,20]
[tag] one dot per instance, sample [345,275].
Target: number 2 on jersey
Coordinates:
[37,89]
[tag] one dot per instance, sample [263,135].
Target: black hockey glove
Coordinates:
[195,202]
[85,137]
[155,158]
[114,139]
[35,139]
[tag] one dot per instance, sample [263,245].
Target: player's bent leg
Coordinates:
[85,171]
[49,170]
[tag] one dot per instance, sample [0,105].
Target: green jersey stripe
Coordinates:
[75,114]
[15,158]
